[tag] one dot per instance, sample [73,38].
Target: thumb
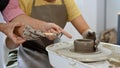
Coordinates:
[17,40]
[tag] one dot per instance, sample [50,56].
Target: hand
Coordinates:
[39,25]
[9,31]
[89,34]
[50,31]
[55,29]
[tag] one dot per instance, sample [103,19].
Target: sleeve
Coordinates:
[12,10]
[5,51]
[72,9]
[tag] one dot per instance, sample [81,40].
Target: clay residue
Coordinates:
[114,58]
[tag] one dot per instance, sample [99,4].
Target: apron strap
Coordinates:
[33,3]
[63,2]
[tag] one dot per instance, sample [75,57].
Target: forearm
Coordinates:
[83,28]
[34,23]
[80,24]
[27,20]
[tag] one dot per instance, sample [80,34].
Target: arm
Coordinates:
[38,25]
[8,30]
[77,20]
[83,28]
[11,11]
[80,24]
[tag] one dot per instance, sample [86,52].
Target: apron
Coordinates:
[33,54]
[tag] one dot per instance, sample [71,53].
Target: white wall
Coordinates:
[100,16]
[89,11]
[113,7]
[93,12]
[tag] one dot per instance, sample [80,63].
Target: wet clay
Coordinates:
[84,45]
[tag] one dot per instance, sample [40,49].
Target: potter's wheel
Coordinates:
[101,54]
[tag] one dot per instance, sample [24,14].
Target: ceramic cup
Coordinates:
[84,45]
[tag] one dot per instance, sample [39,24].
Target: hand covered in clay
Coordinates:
[51,31]
[89,34]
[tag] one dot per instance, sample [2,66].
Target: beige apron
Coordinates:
[33,54]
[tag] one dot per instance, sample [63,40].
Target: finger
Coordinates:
[12,37]
[50,37]
[17,40]
[54,34]
[66,34]
[53,31]
[17,24]
[59,29]
[14,26]
[20,40]
[55,27]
